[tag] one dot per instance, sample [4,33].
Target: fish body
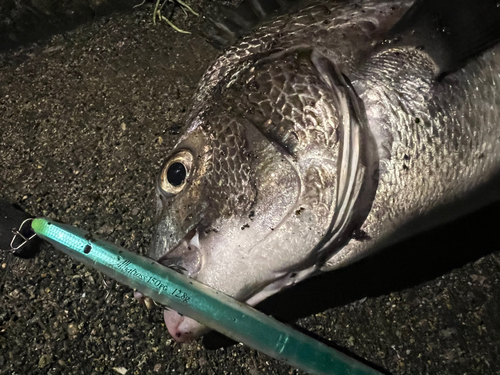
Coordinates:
[315,141]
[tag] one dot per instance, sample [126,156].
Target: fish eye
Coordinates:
[175,172]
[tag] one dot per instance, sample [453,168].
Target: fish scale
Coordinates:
[445,145]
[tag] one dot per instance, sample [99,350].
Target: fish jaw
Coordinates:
[184,329]
[181,328]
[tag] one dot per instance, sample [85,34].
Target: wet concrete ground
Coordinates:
[86,120]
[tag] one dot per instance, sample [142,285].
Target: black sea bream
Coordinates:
[325,134]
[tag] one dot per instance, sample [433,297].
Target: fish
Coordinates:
[324,134]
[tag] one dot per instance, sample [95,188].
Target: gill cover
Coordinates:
[357,163]
[329,144]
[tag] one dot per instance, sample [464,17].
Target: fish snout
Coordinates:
[182,328]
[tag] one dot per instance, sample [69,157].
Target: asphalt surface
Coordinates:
[87,117]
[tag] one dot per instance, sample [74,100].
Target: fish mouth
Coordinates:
[186,256]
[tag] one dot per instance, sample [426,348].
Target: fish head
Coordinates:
[248,198]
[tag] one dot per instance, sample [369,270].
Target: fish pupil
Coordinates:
[176,174]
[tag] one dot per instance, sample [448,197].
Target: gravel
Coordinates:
[87,117]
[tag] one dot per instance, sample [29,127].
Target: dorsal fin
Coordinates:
[225,25]
[450,31]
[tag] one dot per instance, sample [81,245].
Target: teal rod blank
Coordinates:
[214,309]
